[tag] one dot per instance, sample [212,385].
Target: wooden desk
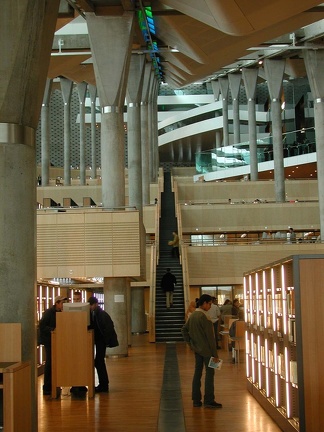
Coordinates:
[15,382]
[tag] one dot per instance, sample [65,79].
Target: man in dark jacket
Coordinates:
[46,325]
[168,282]
[104,336]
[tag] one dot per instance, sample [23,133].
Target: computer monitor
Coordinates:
[78,307]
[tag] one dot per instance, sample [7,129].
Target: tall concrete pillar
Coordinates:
[180,151]
[250,77]
[66,89]
[156,160]
[216,92]
[82,91]
[25,54]
[145,135]
[138,323]
[274,70]
[133,98]
[111,79]
[234,80]
[93,97]
[150,124]
[314,62]
[153,124]
[223,83]
[172,152]
[45,133]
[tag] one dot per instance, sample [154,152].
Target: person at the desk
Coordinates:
[46,325]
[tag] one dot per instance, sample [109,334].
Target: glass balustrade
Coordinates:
[217,159]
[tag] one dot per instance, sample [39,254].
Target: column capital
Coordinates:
[12,133]
[109,109]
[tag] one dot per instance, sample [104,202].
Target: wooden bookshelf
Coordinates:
[285,340]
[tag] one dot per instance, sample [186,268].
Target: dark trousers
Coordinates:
[175,252]
[209,396]
[48,368]
[100,364]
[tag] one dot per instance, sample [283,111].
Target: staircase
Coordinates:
[168,323]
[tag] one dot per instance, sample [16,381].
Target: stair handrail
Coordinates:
[185,275]
[151,314]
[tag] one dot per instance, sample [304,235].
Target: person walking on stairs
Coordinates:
[168,283]
[175,245]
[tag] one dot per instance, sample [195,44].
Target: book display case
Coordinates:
[283,304]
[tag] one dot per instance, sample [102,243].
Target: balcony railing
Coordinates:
[217,159]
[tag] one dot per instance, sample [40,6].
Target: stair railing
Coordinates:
[151,314]
[185,275]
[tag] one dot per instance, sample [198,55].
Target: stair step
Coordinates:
[168,323]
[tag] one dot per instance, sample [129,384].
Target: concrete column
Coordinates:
[156,160]
[145,135]
[25,56]
[45,133]
[314,62]
[216,92]
[138,324]
[93,97]
[82,91]
[274,70]
[133,98]
[250,77]
[66,89]
[180,151]
[111,79]
[116,293]
[223,82]
[234,80]
[150,124]
[189,155]
[172,152]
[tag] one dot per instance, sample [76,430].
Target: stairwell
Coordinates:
[168,322]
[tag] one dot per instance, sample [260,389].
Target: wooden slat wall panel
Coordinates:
[222,191]
[88,244]
[249,217]
[226,264]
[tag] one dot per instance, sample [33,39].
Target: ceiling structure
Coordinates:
[196,40]
[189,41]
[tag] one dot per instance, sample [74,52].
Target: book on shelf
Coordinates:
[282,365]
[292,329]
[278,303]
[271,364]
[279,324]
[293,372]
[215,365]
[291,302]
[247,346]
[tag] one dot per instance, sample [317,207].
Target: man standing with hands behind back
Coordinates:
[198,332]
[104,336]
